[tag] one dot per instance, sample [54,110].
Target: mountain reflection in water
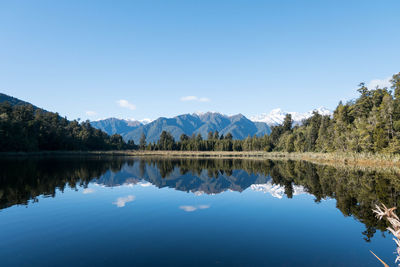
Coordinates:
[356,191]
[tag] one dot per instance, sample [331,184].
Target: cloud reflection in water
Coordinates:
[193,208]
[121,201]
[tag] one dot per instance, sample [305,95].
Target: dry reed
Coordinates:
[384,212]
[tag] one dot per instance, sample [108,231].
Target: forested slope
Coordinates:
[24,127]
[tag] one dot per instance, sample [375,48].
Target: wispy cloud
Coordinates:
[380,83]
[121,201]
[193,208]
[91,113]
[195,98]
[125,104]
[88,191]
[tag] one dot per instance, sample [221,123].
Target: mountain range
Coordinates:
[186,181]
[238,125]
[141,174]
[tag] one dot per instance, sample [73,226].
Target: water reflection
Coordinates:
[355,190]
[121,201]
[194,208]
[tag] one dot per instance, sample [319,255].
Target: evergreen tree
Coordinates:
[26,128]
[142,141]
[229,136]
[216,135]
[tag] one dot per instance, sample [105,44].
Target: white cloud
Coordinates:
[380,83]
[88,191]
[125,104]
[193,208]
[91,113]
[121,201]
[195,98]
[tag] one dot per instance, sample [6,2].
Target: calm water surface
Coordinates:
[155,212]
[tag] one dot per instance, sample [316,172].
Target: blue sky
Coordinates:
[145,59]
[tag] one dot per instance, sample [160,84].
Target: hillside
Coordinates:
[24,127]
[14,101]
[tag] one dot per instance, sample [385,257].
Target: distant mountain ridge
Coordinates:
[116,126]
[238,180]
[238,125]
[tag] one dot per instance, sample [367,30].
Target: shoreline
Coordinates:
[357,159]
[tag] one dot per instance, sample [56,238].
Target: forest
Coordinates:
[368,124]
[27,128]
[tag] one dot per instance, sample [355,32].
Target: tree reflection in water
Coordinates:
[356,191]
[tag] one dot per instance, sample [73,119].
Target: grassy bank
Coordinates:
[360,159]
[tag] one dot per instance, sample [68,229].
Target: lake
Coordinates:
[98,211]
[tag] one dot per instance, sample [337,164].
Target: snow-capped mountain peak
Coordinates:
[201,113]
[277,115]
[324,111]
[145,121]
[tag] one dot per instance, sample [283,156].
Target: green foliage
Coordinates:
[215,142]
[26,128]
[166,141]
[371,123]
[142,142]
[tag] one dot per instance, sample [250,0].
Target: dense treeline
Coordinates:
[370,123]
[26,128]
[214,142]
